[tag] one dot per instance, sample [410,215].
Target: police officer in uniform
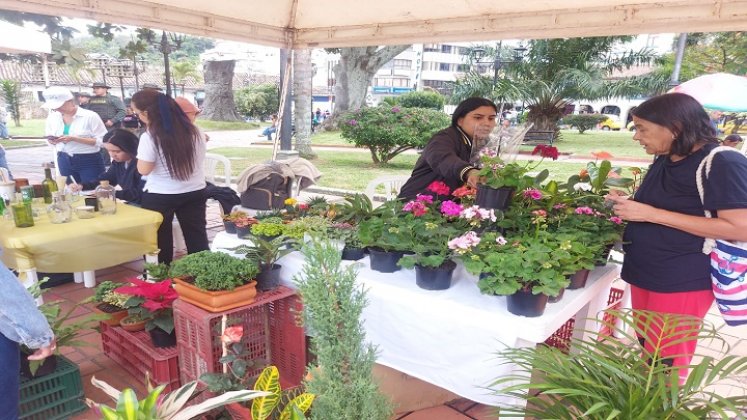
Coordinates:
[110,109]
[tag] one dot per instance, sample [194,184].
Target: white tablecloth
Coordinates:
[450,338]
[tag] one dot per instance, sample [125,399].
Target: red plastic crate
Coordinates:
[271,333]
[561,339]
[135,353]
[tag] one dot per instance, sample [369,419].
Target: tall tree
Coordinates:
[356,69]
[219,104]
[182,70]
[302,74]
[711,53]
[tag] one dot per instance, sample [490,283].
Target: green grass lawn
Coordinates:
[224,125]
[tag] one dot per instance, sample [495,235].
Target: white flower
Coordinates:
[582,186]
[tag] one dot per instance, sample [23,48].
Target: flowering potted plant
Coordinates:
[110,302]
[243,224]
[153,302]
[434,224]
[499,179]
[525,268]
[386,238]
[230,219]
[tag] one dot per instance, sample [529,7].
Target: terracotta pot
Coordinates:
[216,301]
[115,312]
[239,411]
[130,326]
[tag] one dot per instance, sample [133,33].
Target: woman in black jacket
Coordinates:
[446,157]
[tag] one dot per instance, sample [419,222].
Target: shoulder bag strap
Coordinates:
[705,166]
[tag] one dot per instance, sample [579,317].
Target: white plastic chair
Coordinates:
[392,185]
[211,166]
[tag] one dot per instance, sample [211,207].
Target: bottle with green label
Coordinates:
[49,185]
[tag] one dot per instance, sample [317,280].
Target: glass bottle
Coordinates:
[59,211]
[106,198]
[49,185]
[22,214]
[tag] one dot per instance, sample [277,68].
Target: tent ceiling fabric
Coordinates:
[19,40]
[339,23]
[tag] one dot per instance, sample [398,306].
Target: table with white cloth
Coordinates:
[451,338]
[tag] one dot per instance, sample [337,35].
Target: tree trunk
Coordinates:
[354,71]
[219,104]
[302,89]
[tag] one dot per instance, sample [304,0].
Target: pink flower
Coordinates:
[464,242]
[533,193]
[488,153]
[232,334]
[424,198]
[501,240]
[616,220]
[584,210]
[303,206]
[559,206]
[395,109]
[450,208]
[475,212]
[439,188]
[417,208]
[540,213]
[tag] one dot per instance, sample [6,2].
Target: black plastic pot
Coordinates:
[353,254]
[494,198]
[578,280]
[525,303]
[385,261]
[161,338]
[243,231]
[555,299]
[268,277]
[229,226]
[48,366]
[438,278]
[604,256]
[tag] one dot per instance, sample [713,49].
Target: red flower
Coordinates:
[439,188]
[464,191]
[546,151]
[157,296]
[232,334]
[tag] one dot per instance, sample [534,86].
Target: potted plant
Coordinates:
[347,234]
[354,210]
[268,228]
[214,281]
[110,302]
[134,322]
[153,302]
[525,268]
[614,377]
[265,253]
[499,179]
[230,219]
[243,224]
[293,209]
[386,240]
[306,227]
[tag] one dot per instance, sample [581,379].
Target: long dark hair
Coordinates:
[172,131]
[468,105]
[683,116]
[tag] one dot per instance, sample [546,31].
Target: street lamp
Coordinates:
[498,62]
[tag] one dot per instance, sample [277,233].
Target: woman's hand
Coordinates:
[44,352]
[75,187]
[473,177]
[631,210]
[65,139]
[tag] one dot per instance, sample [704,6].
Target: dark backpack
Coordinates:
[266,194]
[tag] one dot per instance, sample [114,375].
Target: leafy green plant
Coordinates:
[11,91]
[239,367]
[421,99]
[495,173]
[214,270]
[103,289]
[312,225]
[583,122]
[388,131]
[347,233]
[615,378]
[234,215]
[264,252]
[157,272]
[117,299]
[355,209]
[269,214]
[151,301]
[271,226]
[257,101]
[263,407]
[382,230]
[162,407]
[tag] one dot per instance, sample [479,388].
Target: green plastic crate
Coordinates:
[58,395]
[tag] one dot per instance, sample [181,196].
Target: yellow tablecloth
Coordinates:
[82,244]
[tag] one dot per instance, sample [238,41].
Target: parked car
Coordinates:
[611,123]
[728,127]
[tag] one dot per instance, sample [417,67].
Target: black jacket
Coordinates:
[129,179]
[445,158]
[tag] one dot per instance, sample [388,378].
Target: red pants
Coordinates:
[695,304]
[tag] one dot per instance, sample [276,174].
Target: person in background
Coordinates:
[83,99]
[191,111]
[122,147]
[732,140]
[715,119]
[4,123]
[20,323]
[77,135]
[152,86]
[110,108]
[4,161]
[663,241]
[447,154]
[171,153]
[269,131]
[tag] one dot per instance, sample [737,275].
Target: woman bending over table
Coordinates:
[172,153]
[664,263]
[446,157]
[77,135]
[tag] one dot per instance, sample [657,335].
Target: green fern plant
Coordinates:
[615,378]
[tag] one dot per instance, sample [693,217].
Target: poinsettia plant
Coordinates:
[152,301]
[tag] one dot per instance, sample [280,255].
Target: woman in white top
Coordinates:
[171,153]
[77,135]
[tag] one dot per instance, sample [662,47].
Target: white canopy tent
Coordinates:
[336,23]
[19,40]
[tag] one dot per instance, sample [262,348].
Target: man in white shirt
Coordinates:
[77,135]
